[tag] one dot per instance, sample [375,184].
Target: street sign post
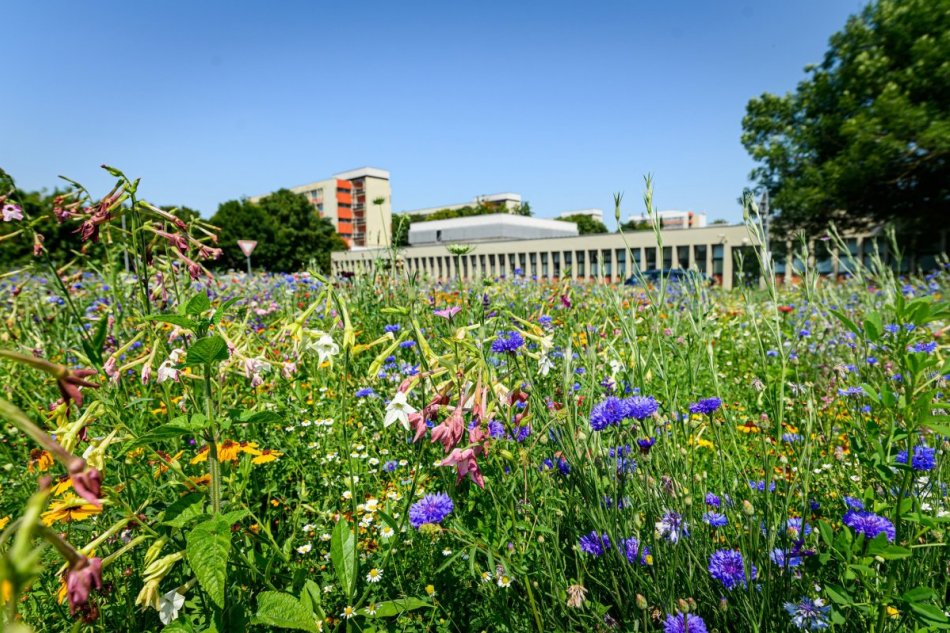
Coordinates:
[247,247]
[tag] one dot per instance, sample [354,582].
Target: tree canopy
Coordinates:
[586,225]
[288,232]
[866,137]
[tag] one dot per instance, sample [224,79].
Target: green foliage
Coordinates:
[636,225]
[400,223]
[288,231]
[209,546]
[866,137]
[587,225]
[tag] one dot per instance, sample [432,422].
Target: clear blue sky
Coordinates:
[563,102]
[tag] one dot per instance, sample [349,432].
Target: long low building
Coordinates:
[712,250]
[488,228]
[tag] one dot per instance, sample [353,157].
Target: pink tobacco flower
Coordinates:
[12,212]
[71,380]
[86,574]
[87,482]
[448,313]
[450,431]
[464,462]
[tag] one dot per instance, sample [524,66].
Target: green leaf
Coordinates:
[342,555]
[185,510]
[174,429]
[310,597]
[838,595]
[220,311]
[174,319]
[895,552]
[100,338]
[234,516]
[208,547]
[206,351]
[395,607]
[283,611]
[928,611]
[848,323]
[873,326]
[918,594]
[261,417]
[198,304]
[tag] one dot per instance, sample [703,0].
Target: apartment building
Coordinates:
[357,202]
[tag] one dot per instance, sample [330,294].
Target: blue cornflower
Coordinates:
[924,458]
[684,623]
[641,407]
[496,429]
[635,553]
[563,466]
[760,485]
[595,544]
[714,519]
[869,524]
[851,391]
[925,348]
[432,508]
[892,328]
[407,344]
[365,392]
[791,438]
[610,412]
[646,444]
[872,360]
[672,527]
[853,503]
[392,327]
[391,466]
[796,528]
[772,353]
[545,321]
[521,433]
[726,566]
[706,406]
[808,614]
[784,559]
[712,500]
[507,343]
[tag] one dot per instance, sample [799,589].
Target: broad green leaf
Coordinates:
[168,431]
[185,510]
[310,597]
[207,350]
[198,304]
[848,323]
[395,607]
[234,516]
[342,555]
[221,310]
[261,417]
[283,611]
[873,326]
[918,594]
[928,611]
[100,338]
[208,547]
[838,595]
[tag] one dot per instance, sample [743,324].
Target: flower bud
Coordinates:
[747,508]
[154,550]
[641,602]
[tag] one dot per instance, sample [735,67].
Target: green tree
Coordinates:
[288,232]
[866,137]
[586,225]
[635,225]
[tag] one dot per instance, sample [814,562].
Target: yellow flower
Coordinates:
[430,590]
[267,455]
[165,463]
[701,443]
[892,612]
[4,521]
[40,460]
[70,508]
[62,484]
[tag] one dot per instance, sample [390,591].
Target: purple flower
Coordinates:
[869,524]
[12,212]
[785,559]
[85,575]
[635,553]
[432,508]
[641,407]
[672,527]
[851,391]
[610,412]
[714,519]
[684,623]
[447,313]
[726,566]
[924,458]
[507,343]
[853,503]
[925,348]
[808,614]
[496,429]
[595,544]
[365,392]
[706,406]
[646,444]
[712,500]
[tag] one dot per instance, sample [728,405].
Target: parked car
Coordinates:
[672,275]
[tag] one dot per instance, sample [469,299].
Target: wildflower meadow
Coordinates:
[187,451]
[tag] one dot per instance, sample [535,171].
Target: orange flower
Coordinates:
[193,483]
[40,460]
[62,484]
[4,521]
[70,508]
[265,456]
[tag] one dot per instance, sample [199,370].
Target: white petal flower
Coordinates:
[169,606]
[398,409]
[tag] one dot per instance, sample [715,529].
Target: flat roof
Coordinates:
[363,172]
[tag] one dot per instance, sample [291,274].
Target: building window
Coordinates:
[699,254]
[718,255]
[682,254]
[667,257]
[580,263]
[491,263]
[556,261]
[620,255]
[823,256]
[608,262]
[544,265]
[650,263]
[845,265]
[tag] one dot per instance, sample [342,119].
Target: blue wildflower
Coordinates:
[853,503]
[869,524]
[672,527]
[925,348]
[610,412]
[684,623]
[432,508]
[595,544]
[391,327]
[641,407]
[507,343]
[808,614]
[726,566]
[714,519]
[365,392]
[706,406]
[635,553]
[924,458]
